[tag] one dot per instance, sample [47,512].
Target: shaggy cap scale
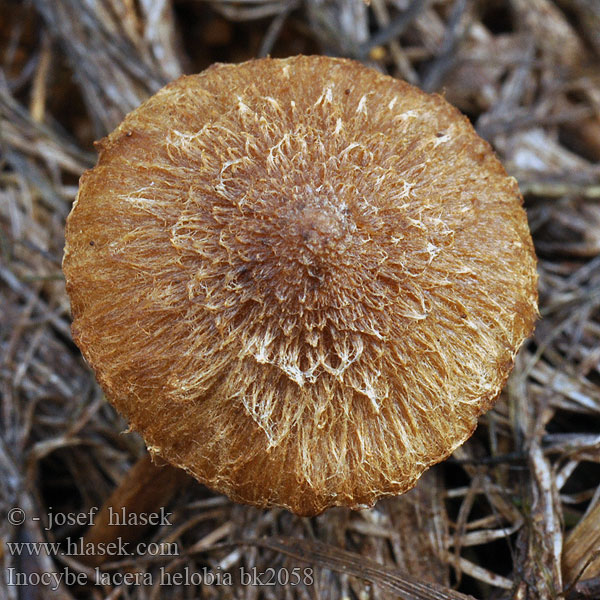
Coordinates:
[300,280]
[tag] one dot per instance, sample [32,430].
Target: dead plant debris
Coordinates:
[513,514]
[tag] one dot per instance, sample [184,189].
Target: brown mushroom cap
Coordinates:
[300,280]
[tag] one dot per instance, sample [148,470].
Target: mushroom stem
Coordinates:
[144,491]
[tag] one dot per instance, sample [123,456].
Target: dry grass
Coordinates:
[515,512]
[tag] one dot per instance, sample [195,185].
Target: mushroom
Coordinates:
[300,280]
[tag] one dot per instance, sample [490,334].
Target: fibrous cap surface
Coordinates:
[300,280]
